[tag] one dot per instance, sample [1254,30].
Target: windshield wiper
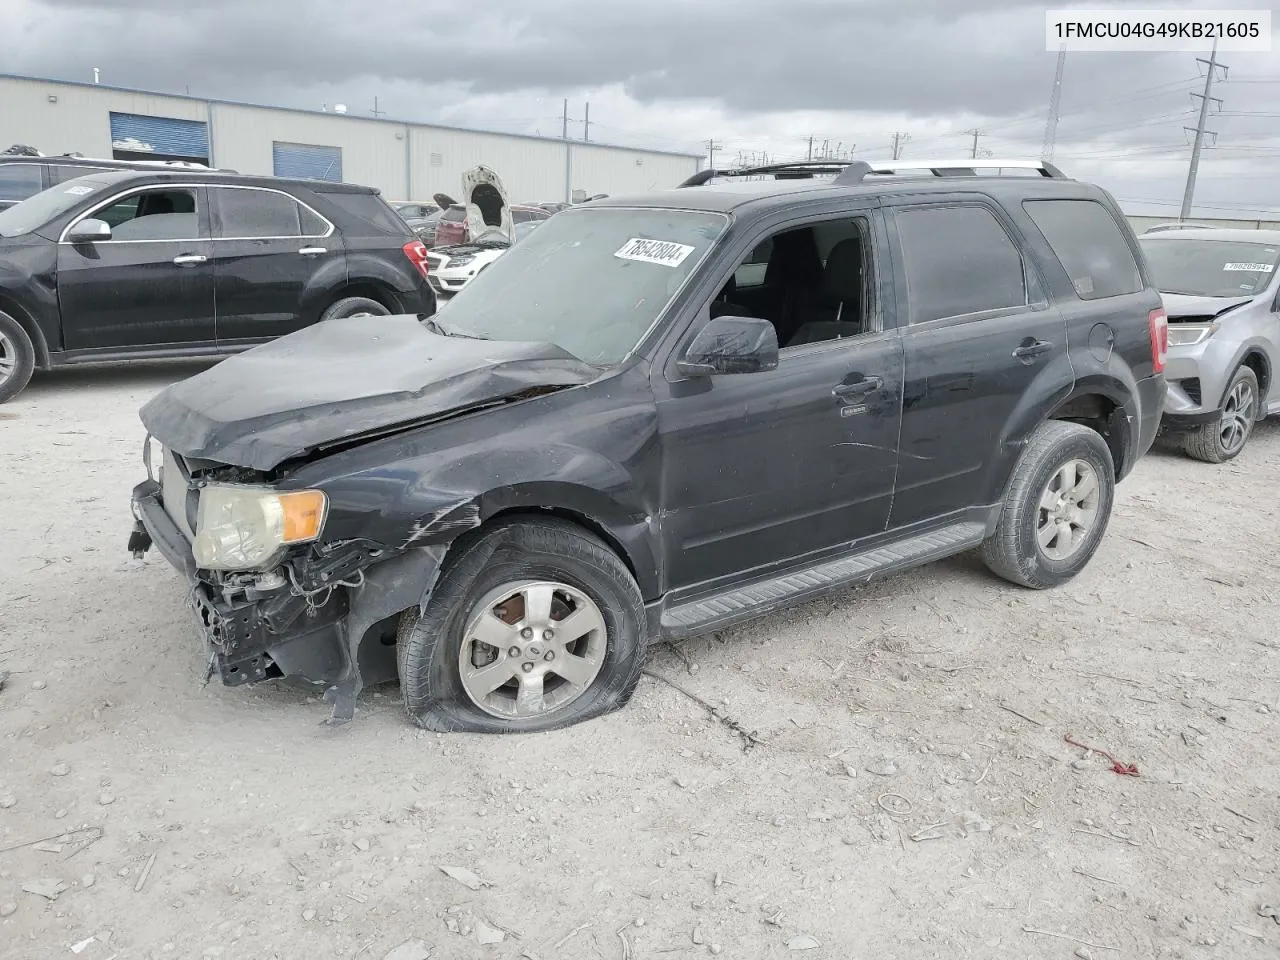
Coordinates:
[435,326]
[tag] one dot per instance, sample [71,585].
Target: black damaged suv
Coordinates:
[660,416]
[125,265]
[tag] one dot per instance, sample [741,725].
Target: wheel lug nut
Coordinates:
[548,634]
[550,656]
[513,652]
[527,667]
[527,633]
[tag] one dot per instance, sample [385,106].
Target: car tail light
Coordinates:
[1158,329]
[416,251]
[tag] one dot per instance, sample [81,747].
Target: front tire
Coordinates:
[17,358]
[1056,509]
[536,625]
[1225,438]
[355,307]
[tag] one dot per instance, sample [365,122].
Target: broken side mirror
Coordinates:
[731,345]
[89,231]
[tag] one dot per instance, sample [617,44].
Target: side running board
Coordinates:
[743,603]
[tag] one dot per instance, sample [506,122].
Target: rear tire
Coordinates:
[490,591]
[17,358]
[1225,438]
[1056,509]
[355,307]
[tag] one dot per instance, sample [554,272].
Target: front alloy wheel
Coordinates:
[1225,438]
[534,624]
[531,649]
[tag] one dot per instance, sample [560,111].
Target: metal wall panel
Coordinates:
[531,170]
[618,171]
[307,161]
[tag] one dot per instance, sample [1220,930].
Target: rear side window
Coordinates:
[1090,246]
[261,214]
[958,260]
[454,215]
[19,181]
[61,173]
[371,210]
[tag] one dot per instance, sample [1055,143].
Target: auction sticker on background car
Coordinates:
[665,252]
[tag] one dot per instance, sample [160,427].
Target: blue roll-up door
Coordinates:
[307,161]
[161,137]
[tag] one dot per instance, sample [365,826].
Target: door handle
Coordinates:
[189,259]
[312,251]
[1033,349]
[858,389]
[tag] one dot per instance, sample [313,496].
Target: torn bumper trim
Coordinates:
[164,533]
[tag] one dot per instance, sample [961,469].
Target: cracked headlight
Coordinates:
[1189,334]
[247,528]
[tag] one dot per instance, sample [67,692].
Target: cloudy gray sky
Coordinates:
[758,77]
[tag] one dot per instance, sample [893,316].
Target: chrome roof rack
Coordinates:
[856,171]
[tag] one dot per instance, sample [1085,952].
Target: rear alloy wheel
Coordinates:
[1225,438]
[533,625]
[355,307]
[17,358]
[1056,509]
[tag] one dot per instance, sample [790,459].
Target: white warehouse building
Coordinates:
[404,160]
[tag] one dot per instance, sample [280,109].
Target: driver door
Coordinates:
[760,470]
[151,284]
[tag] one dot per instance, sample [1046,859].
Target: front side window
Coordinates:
[261,214]
[812,283]
[167,214]
[1210,268]
[1090,246]
[958,261]
[592,281]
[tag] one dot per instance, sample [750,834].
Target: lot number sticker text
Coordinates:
[654,251]
[1249,267]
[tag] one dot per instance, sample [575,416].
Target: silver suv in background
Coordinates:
[1222,294]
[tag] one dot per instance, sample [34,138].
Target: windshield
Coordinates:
[591,281]
[1210,268]
[36,211]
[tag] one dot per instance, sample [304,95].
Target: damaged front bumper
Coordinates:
[286,624]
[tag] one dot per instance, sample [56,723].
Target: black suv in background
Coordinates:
[25,175]
[120,266]
[642,435]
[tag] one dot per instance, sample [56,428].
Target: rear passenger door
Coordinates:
[981,342]
[272,254]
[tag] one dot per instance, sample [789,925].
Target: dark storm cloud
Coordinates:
[925,57]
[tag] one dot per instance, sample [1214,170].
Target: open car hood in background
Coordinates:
[488,206]
[342,379]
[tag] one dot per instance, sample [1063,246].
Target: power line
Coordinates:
[1055,103]
[1205,99]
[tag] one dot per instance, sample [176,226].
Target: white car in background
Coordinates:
[451,268]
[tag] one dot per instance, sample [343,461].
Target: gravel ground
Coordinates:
[892,779]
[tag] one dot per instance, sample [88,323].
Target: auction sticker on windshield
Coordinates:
[78,191]
[1249,267]
[654,251]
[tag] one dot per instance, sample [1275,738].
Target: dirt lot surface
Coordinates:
[910,795]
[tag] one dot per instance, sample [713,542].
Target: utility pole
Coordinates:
[1194,168]
[712,147]
[586,123]
[899,141]
[810,147]
[1055,98]
[564,121]
[376,112]
[975,133]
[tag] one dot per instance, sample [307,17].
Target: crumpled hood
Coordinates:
[488,207]
[340,379]
[1178,305]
